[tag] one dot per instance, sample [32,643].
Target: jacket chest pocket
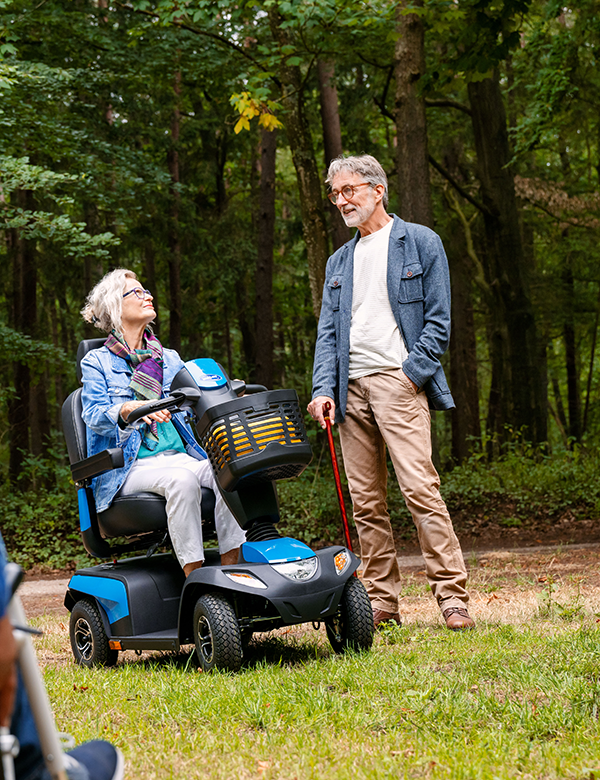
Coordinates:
[120,393]
[335,288]
[411,284]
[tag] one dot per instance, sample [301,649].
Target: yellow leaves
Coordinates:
[250,107]
[241,124]
[269,121]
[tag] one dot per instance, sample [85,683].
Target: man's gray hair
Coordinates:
[364,165]
[104,304]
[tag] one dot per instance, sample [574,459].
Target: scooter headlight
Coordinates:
[341,561]
[242,578]
[298,570]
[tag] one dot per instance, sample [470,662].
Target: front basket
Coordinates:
[259,437]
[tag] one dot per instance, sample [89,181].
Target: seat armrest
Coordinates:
[88,468]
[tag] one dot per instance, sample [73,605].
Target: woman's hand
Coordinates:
[164,415]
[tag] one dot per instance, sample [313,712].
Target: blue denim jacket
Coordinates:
[418,284]
[105,389]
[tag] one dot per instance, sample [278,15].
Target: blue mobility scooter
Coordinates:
[253,437]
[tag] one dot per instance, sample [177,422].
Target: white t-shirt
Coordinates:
[376,343]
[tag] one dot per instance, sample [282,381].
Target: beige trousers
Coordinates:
[180,479]
[385,410]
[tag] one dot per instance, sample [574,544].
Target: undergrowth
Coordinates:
[41,528]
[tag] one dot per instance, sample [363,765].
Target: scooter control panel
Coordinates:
[206,373]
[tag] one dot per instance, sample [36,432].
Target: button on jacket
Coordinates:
[418,284]
[106,378]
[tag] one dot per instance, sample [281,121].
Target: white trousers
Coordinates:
[180,479]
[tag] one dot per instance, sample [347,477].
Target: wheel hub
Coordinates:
[205,636]
[84,639]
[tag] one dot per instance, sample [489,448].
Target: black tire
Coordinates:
[89,642]
[217,634]
[351,628]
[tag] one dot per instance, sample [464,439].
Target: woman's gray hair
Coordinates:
[104,304]
[364,165]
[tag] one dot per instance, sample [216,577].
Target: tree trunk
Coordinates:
[307,172]
[332,142]
[573,393]
[23,317]
[150,279]
[265,224]
[414,189]
[466,426]
[173,237]
[513,338]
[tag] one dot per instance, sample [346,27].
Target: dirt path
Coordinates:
[491,571]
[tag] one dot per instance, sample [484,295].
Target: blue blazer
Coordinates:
[418,284]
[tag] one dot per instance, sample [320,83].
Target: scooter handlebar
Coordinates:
[183,398]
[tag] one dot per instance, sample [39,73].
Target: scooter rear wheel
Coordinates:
[217,634]
[351,628]
[89,642]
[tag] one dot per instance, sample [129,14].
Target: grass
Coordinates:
[517,698]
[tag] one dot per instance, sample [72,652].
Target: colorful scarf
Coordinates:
[147,379]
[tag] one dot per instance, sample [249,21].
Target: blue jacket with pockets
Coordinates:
[106,378]
[418,284]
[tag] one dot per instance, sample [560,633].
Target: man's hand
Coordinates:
[416,389]
[164,415]
[8,671]
[315,409]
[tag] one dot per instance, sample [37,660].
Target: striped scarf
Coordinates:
[147,379]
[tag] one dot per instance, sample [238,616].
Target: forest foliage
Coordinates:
[188,140]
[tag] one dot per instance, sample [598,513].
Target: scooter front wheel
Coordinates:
[89,642]
[351,628]
[217,634]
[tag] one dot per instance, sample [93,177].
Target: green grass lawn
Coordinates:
[504,701]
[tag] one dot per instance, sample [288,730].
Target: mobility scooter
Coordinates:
[253,437]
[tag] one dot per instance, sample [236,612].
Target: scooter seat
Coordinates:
[145,513]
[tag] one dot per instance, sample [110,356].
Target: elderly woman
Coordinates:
[162,456]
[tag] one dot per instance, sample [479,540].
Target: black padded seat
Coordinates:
[143,513]
[85,346]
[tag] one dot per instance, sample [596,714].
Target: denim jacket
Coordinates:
[418,284]
[105,389]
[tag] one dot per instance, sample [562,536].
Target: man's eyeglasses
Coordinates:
[347,192]
[139,293]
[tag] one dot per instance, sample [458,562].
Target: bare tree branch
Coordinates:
[448,104]
[448,176]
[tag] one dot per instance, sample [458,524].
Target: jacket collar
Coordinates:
[398,228]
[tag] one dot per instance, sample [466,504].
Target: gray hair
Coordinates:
[364,165]
[104,304]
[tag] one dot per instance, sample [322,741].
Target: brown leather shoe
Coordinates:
[382,618]
[457,618]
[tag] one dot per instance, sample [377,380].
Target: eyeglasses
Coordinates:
[347,192]
[139,293]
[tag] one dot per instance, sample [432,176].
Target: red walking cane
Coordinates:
[336,474]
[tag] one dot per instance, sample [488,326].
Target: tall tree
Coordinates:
[414,189]
[297,128]
[518,393]
[332,141]
[265,224]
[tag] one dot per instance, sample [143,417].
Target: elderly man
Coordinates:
[384,325]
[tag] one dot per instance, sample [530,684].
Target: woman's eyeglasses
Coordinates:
[139,293]
[347,192]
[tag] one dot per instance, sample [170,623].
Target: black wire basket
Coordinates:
[256,438]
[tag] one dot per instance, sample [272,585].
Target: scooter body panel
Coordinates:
[138,595]
[148,603]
